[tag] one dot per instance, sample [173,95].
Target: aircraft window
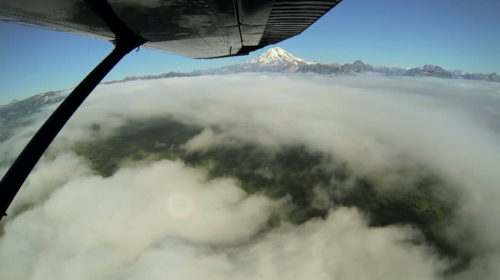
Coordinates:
[299,161]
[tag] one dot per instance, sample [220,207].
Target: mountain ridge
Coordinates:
[278,60]
[277,55]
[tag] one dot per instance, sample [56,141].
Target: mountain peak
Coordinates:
[276,56]
[358,62]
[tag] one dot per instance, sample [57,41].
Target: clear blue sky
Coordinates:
[455,34]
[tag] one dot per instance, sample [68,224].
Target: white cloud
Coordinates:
[92,226]
[204,140]
[125,227]
[340,247]
[162,219]
[47,176]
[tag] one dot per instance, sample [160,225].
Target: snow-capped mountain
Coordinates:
[275,60]
[277,56]
[16,113]
[21,108]
[429,71]
[280,61]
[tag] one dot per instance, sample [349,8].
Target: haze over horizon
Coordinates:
[277,59]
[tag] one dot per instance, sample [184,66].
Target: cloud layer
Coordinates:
[159,219]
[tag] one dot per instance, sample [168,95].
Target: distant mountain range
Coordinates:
[21,108]
[275,60]
[18,113]
[279,60]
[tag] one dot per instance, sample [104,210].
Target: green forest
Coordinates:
[311,183]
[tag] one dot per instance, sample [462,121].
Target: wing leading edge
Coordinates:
[192,28]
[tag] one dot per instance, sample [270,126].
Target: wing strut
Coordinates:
[125,41]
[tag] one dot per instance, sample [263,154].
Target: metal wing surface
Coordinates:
[192,28]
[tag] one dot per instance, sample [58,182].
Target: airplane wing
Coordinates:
[192,28]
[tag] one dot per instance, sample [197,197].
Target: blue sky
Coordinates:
[455,34]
